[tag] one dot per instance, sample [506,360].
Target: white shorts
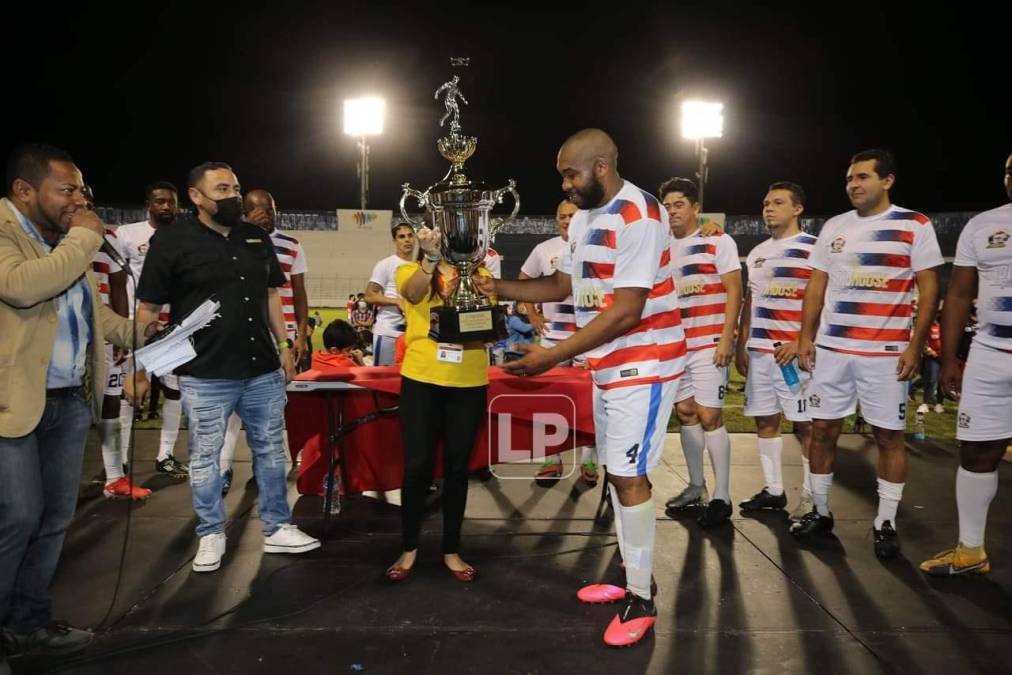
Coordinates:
[702,380]
[113,374]
[630,424]
[766,393]
[840,381]
[984,407]
[384,349]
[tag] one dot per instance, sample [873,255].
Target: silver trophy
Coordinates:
[461,209]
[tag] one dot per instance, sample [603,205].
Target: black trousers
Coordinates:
[430,413]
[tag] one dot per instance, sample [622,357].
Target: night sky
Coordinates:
[140,92]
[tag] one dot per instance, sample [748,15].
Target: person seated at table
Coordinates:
[521,332]
[443,394]
[341,347]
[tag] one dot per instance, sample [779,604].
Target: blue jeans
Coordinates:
[260,403]
[39,478]
[930,369]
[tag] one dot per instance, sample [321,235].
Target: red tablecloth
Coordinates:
[372,451]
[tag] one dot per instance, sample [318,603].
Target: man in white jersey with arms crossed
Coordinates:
[865,264]
[778,272]
[707,274]
[555,324]
[381,292]
[163,206]
[629,329]
[982,269]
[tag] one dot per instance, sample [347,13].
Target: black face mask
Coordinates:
[229,211]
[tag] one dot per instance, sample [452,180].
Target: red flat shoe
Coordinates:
[465,576]
[396,573]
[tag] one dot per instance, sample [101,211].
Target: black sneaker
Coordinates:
[812,523]
[172,468]
[717,512]
[887,542]
[764,500]
[56,638]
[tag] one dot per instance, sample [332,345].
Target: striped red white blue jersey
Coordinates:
[698,263]
[560,318]
[493,262]
[292,259]
[871,263]
[103,266]
[778,274]
[624,244]
[985,245]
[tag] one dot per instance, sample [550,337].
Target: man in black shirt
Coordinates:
[244,357]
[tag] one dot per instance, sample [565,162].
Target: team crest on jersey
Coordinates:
[143,249]
[759,262]
[554,263]
[837,244]
[998,239]
[814,401]
[964,421]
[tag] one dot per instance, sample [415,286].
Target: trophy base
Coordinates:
[459,326]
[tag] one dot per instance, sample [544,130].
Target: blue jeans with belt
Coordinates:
[39,479]
[260,403]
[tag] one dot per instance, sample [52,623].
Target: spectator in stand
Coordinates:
[341,347]
[931,367]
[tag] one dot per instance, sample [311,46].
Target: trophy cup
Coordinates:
[461,208]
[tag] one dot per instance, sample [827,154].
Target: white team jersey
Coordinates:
[560,318]
[493,262]
[698,262]
[292,259]
[103,266]
[778,273]
[871,264]
[133,239]
[984,244]
[624,244]
[390,320]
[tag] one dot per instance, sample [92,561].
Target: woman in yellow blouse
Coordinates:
[443,394]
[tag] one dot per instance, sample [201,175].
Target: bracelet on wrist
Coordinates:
[433,257]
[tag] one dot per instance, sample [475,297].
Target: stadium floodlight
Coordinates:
[363,117]
[702,120]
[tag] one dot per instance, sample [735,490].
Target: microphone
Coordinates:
[111,251]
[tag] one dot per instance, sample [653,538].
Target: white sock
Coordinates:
[126,420]
[821,484]
[586,453]
[231,438]
[618,521]
[172,412]
[889,495]
[638,525]
[974,492]
[771,451]
[718,443]
[692,448]
[112,458]
[806,478]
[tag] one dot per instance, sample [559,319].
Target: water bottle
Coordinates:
[335,499]
[919,426]
[790,373]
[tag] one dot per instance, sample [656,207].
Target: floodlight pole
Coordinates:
[703,169]
[363,170]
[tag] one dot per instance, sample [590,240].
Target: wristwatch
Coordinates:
[285,344]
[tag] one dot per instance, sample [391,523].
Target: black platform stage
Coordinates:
[745,598]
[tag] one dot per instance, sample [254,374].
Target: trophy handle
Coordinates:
[423,200]
[499,223]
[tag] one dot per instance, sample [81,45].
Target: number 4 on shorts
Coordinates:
[632,452]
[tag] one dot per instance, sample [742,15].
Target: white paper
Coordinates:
[176,348]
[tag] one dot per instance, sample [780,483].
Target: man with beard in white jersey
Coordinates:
[707,273]
[982,271]
[260,209]
[381,292]
[163,207]
[865,264]
[778,272]
[555,324]
[617,269]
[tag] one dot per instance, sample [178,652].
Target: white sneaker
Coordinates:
[212,548]
[290,539]
[939,408]
[922,408]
